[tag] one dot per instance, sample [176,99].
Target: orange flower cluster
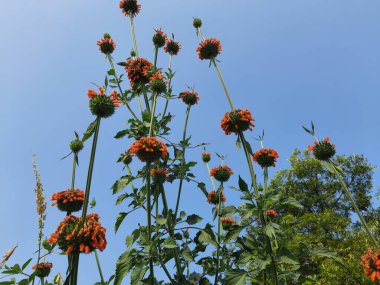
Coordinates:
[371,263]
[106,45]
[149,149]
[74,236]
[159,175]
[206,157]
[172,47]
[91,94]
[322,150]
[159,38]
[189,97]
[42,269]
[69,200]
[209,49]
[227,223]
[221,173]
[271,212]
[237,120]
[266,157]
[212,198]
[138,70]
[130,7]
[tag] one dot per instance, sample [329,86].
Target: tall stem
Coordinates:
[119,86]
[169,88]
[148,206]
[349,196]
[75,157]
[219,237]
[211,178]
[133,36]
[99,267]
[223,84]
[155,56]
[152,115]
[182,161]
[249,162]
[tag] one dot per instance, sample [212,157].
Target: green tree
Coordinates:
[326,220]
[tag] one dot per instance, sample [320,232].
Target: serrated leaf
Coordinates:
[119,219]
[122,183]
[207,236]
[292,202]
[138,273]
[170,243]
[187,254]
[193,219]
[121,134]
[243,186]
[124,264]
[90,131]
[228,211]
[235,277]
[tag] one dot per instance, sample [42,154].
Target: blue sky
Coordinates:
[289,62]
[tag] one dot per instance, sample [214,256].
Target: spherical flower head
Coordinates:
[221,173]
[42,269]
[130,7]
[189,97]
[159,38]
[101,105]
[371,263]
[106,44]
[227,223]
[149,149]
[157,83]
[68,201]
[237,120]
[159,175]
[137,70]
[213,198]
[271,213]
[197,23]
[323,150]
[209,49]
[125,158]
[266,157]
[206,157]
[74,236]
[76,145]
[172,47]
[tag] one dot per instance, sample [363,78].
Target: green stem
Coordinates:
[155,57]
[223,84]
[169,88]
[148,205]
[140,104]
[211,178]
[133,36]
[73,171]
[152,115]
[182,161]
[249,162]
[349,196]
[219,237]
[119,86]
[99,267]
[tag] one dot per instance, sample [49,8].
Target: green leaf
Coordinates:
[131,239]
[208,236]
[26,263]
[111,72]
[187,254]
[292,202]
[124,264]
[122,183]
[243,185]
[235,277]
[90,130]
[119,219]
[138,274]
[193,219]
[228,211]
[170,243]
[323,252]
[121,134]
[161,220]
[233,233]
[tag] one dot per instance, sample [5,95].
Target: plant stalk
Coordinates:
[148,206]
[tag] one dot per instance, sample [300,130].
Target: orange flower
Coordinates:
[91,94]
[74,236]
[221,173]
[206,157]
[172,47]
[149,149]
[227,223]
[189,97]
[371,263]
[266,157]
[322,150]
[271,212]
[106,45]
[137,70]
[209,49]
[42,269]
[69,200]
[130,7]
[237,120]
[213,198]
[159,175]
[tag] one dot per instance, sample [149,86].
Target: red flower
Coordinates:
[227,223]
[149,149]
[213,198]
[266,157]
[371,263]
[74,236]
[69,200]
[209,49]
[206,157]
[237,120]
[189,97]
[159,38]
[172,47]
[91,94]
[130,7]
[271,212]
[42,269]
[106,45]
[159,175]
[322,150]
[138,70]
[221,173]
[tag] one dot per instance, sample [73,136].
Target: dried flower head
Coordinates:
[130,7]
[271,213]
[159,38]
[371,263]
[7,255]
[69,201]
[227,223]
[106,44]
[42,269]
[138,70]
[149,149]
[322,150]
[221,173]
[237,120]
[206,157]
[209,49]
[189,97]
[213,198]
[74,236]
[159,175]
[101,105]
[266,157]
[172,47]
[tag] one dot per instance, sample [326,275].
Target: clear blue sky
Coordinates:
[289,62]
